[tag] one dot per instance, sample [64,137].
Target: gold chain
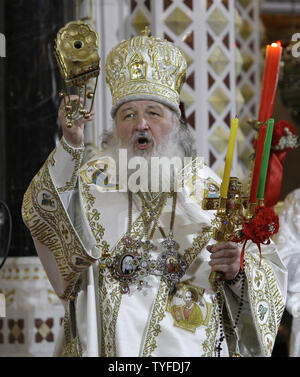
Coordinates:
[154,213]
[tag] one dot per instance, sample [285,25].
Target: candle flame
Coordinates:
[276,44]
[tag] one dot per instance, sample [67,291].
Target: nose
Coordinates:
[142,124]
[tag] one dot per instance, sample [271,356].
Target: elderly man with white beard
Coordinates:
[85,228]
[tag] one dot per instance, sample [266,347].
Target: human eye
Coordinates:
[154,113]
[128,115]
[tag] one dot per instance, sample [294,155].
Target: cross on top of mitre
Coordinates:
[147,31]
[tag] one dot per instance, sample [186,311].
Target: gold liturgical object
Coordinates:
[76,50]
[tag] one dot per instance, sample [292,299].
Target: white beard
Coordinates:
[148,171]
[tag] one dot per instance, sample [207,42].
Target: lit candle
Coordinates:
[257,163]
[229,157]
[265,160]
[270,80]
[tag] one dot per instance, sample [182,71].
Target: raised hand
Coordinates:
[74,135]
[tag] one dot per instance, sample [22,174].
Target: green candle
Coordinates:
[265,159]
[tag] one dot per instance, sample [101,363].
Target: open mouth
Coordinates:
[142,142]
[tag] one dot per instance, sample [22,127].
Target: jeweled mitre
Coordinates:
[145,68]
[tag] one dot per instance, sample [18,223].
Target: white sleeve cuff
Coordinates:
[64,164]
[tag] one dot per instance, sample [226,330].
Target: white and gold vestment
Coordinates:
[75,220]
[287,241]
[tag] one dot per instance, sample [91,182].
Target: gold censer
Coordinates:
[76,50]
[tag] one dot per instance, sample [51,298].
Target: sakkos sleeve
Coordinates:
[62,252]
[288,241]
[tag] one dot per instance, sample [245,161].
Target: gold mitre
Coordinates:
[145,68]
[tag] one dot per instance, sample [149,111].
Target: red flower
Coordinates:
[264,224]
[259,229]
[284,137]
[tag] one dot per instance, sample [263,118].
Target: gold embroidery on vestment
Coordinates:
[157,316]
[77,155]
[266,300]
[189,308]
[47,221]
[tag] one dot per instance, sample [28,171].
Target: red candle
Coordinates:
[270,80]
[257,163]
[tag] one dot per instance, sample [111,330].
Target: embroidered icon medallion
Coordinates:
[133,264]
[188,307]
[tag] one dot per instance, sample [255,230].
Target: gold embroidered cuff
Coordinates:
[64,165]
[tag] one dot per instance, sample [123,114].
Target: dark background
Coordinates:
[28,101]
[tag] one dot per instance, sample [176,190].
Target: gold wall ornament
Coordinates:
[145,67]
[178,21]
[76,51]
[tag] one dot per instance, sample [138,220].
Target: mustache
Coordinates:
[142,137]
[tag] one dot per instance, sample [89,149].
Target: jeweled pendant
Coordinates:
[170,263]
[124,288]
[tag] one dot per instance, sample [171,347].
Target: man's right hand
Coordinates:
[74,136]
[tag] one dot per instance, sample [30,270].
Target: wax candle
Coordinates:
[270,80]
[257,163]
[265,160]
[229,157]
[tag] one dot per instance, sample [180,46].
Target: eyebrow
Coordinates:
[148,107]
[128,108]
[154,107]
